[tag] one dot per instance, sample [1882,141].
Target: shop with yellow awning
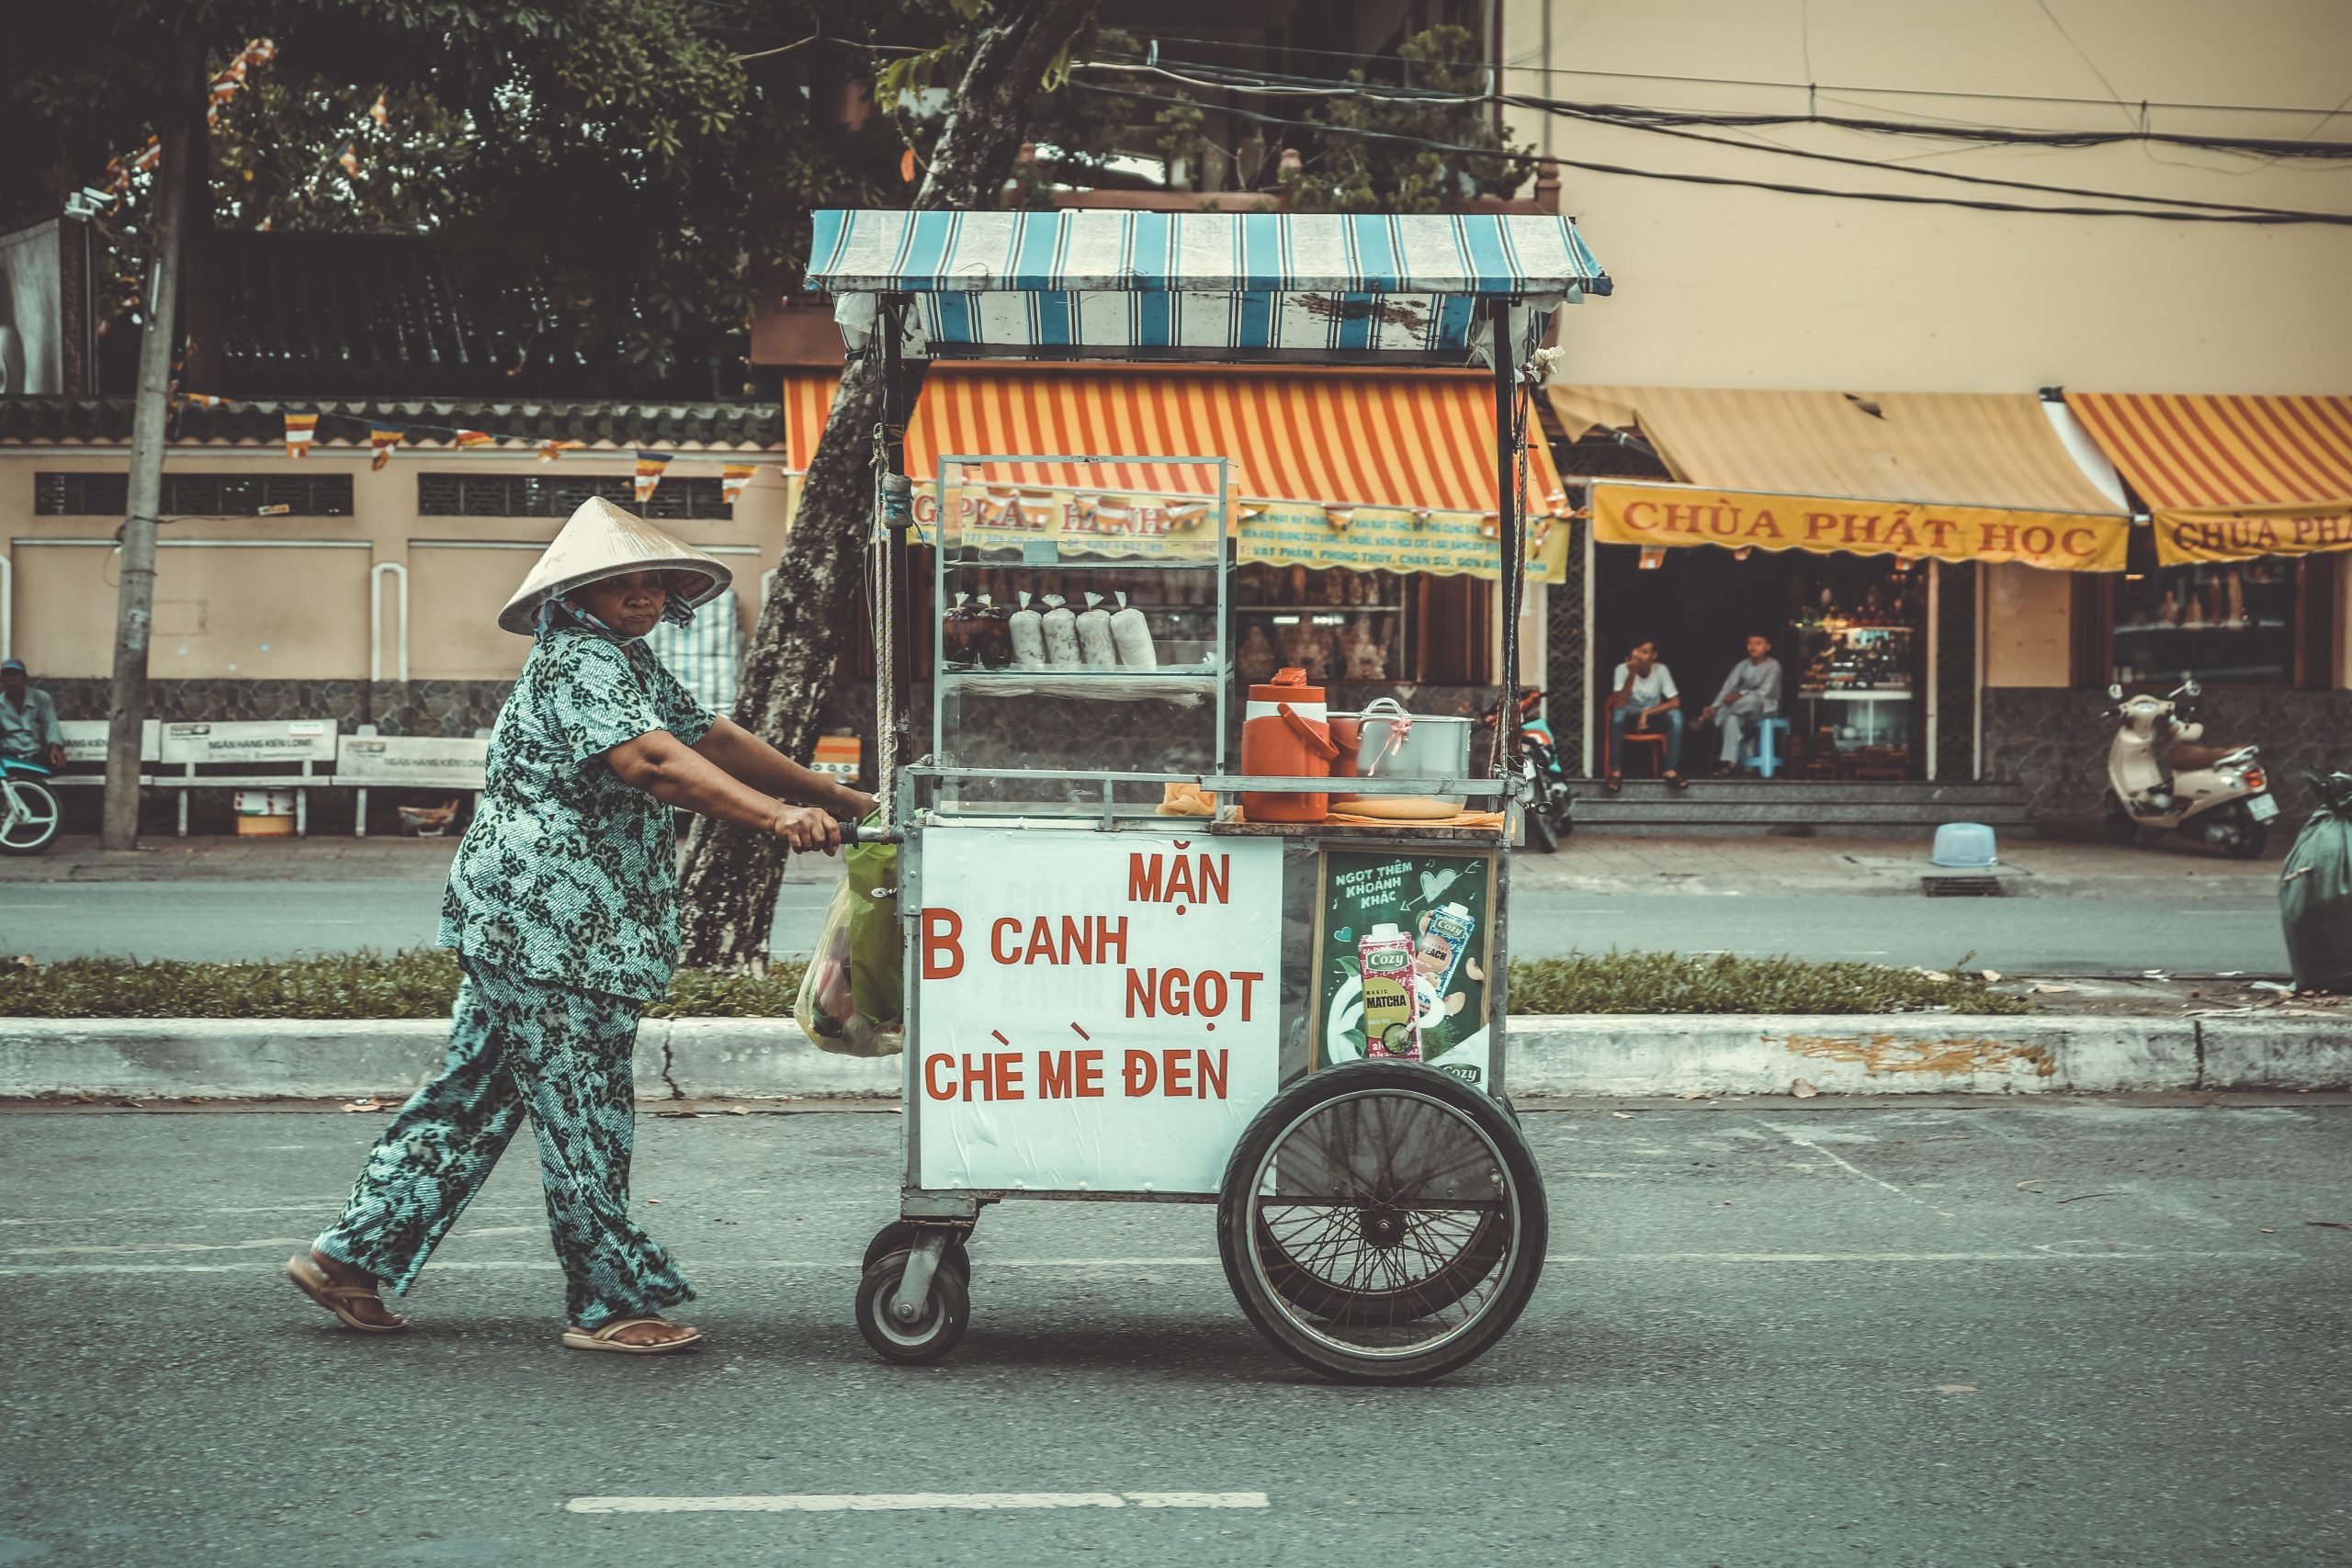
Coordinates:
[1830,523]
[2251,499]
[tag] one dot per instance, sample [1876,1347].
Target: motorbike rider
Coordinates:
[28,729]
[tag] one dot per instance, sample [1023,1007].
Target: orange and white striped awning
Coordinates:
[1416,439]
[2229,478]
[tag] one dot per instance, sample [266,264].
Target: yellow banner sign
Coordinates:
[1683,514]
[2186,537]
[1362,539]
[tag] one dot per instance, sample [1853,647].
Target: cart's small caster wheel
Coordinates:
[899,1236]
[929,1337]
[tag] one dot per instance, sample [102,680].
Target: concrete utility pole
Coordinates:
[135,602]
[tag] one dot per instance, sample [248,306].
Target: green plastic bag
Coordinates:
[2315,891]
[876,947]
[852,995]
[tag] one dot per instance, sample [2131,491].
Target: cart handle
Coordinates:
[858,833]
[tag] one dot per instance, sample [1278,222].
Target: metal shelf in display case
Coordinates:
[998,713]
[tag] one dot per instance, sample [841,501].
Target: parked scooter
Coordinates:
[2158,777]
[1548,800]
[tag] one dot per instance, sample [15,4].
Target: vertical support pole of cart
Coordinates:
[1513,565]
[897,705]
[890,323]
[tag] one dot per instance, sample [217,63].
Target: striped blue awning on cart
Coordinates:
[1090,279]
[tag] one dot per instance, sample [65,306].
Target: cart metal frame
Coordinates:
[935,1220]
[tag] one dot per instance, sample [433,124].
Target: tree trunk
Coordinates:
[728,893]
[175,182]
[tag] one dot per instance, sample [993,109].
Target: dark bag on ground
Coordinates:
[2315,891]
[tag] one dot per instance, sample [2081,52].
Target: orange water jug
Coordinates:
[1286,733]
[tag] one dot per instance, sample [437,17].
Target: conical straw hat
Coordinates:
[602,541]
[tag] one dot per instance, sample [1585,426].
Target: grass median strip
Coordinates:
[421,983]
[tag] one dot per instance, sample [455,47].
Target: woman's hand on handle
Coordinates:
[807,828]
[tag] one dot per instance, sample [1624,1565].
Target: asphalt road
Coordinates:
[1768,1334]
[2041,935]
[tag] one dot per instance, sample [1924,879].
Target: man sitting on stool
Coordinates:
[1643,690]
[1751,694]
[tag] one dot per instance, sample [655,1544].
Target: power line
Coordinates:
[1275,84]
[2268,217]
[1758,82]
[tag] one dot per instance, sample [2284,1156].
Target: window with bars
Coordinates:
[198,495]
[558,495]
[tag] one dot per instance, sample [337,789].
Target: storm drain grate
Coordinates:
[1960,887]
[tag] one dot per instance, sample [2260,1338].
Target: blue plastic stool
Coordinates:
[1764,762]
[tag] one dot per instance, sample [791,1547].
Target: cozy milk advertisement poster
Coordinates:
[1401,947]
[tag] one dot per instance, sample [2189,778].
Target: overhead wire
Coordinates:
[2175,212]
[1758,82]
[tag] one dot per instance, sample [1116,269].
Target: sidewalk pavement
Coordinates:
[2030,867]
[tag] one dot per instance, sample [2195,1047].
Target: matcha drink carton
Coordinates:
[1391,1029]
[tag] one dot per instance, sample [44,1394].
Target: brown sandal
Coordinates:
[1677,781]
[1614,783]
[601,1338]
[313,1282]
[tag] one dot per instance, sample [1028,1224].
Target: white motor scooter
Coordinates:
[2158,777]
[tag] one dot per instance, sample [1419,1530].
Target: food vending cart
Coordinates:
[1131,973]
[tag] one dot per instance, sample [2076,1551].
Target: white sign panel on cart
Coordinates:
[1096,1011]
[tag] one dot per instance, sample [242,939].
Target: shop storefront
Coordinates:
[2238,574]
[1850,532]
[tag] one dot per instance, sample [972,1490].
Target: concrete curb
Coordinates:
[1602,1055]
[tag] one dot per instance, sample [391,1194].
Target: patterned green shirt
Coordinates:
[568,874]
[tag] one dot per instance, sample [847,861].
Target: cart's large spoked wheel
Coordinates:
[1382,1222]
[934,1330]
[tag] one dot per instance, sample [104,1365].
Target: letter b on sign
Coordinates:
[943,949]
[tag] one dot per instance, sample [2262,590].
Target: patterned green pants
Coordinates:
[520,1048]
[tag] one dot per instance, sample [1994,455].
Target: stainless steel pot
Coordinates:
[1385,742]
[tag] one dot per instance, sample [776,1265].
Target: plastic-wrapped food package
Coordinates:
[1131,638]
[955,635]
[1060,627]
[1028,629]
[1094,645]
[991,635]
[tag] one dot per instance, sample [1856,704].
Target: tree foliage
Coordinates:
[1372,173]
[645,167]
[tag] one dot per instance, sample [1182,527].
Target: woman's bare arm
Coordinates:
[739,751]
[674,773]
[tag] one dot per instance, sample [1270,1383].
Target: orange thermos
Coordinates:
[1286,733]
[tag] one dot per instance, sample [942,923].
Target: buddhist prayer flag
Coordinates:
[734,478]
[381,439]
[550,450]
[300,428]
[464,438]
[377,112]
[349,159]
[649,466]
[202,401]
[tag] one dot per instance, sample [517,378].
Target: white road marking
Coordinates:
[913,1502]
[1599,1259]
[1804,1142]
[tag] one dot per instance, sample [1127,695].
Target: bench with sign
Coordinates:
[367,760]
[245,746]
[86,750]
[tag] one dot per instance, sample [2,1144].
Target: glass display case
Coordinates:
[1337,624]
[2226,621]
[1077,634]
[1860,688]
